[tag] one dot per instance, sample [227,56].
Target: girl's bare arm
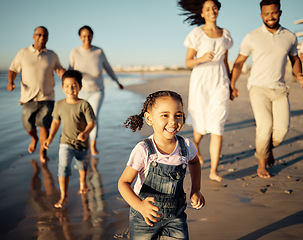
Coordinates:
[196,196]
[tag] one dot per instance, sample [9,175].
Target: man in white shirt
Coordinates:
[37,65]
[269,45]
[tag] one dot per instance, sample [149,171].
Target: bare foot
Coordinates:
[32,146]
[215,177]
[93,149]
[263,173]
[43,157]
[61,203]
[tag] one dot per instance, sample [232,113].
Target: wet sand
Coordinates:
[243,206]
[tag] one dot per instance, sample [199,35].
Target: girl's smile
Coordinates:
[166,117]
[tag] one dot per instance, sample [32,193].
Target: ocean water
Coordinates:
[28,191]
[117,106]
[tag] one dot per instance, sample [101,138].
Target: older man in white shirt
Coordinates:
[37,65]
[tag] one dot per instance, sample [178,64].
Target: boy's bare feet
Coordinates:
[261,171]
[32,146]
[61,203]
[93,148]
[215,177]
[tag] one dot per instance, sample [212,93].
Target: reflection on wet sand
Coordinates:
[56,223]
[42,201]
[94,196]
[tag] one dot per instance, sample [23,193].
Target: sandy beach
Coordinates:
[242,206]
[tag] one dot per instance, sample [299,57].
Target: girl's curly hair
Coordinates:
[135,122]
[193,9]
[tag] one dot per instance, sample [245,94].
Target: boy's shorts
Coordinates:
[66,156]
[37,113]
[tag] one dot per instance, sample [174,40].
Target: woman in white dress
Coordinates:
[209,83]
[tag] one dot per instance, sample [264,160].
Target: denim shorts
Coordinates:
[175,228]
[66,156]
[37,114]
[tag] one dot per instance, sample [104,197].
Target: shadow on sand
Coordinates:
[231,158]
[293,219]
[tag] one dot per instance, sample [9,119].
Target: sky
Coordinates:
[131,32]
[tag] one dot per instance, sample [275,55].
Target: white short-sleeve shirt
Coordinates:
[269,55]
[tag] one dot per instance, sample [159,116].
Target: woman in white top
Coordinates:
[90,61]
[209,83]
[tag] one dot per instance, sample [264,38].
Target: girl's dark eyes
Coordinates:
[177,116]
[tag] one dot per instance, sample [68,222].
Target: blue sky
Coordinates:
[132,33]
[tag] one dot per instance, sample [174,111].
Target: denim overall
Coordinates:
[165,184]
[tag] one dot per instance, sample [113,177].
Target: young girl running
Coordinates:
[158,200]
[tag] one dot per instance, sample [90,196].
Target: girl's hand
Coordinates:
[149,211]
[197,200]
[207,57]
[82,136]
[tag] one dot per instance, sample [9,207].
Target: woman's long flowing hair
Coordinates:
[193,9]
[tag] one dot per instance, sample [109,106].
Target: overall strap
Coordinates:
[151,149]
[182,146]
[150,146]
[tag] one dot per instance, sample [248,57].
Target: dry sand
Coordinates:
[244,206]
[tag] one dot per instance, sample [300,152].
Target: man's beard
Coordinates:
[276,26]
